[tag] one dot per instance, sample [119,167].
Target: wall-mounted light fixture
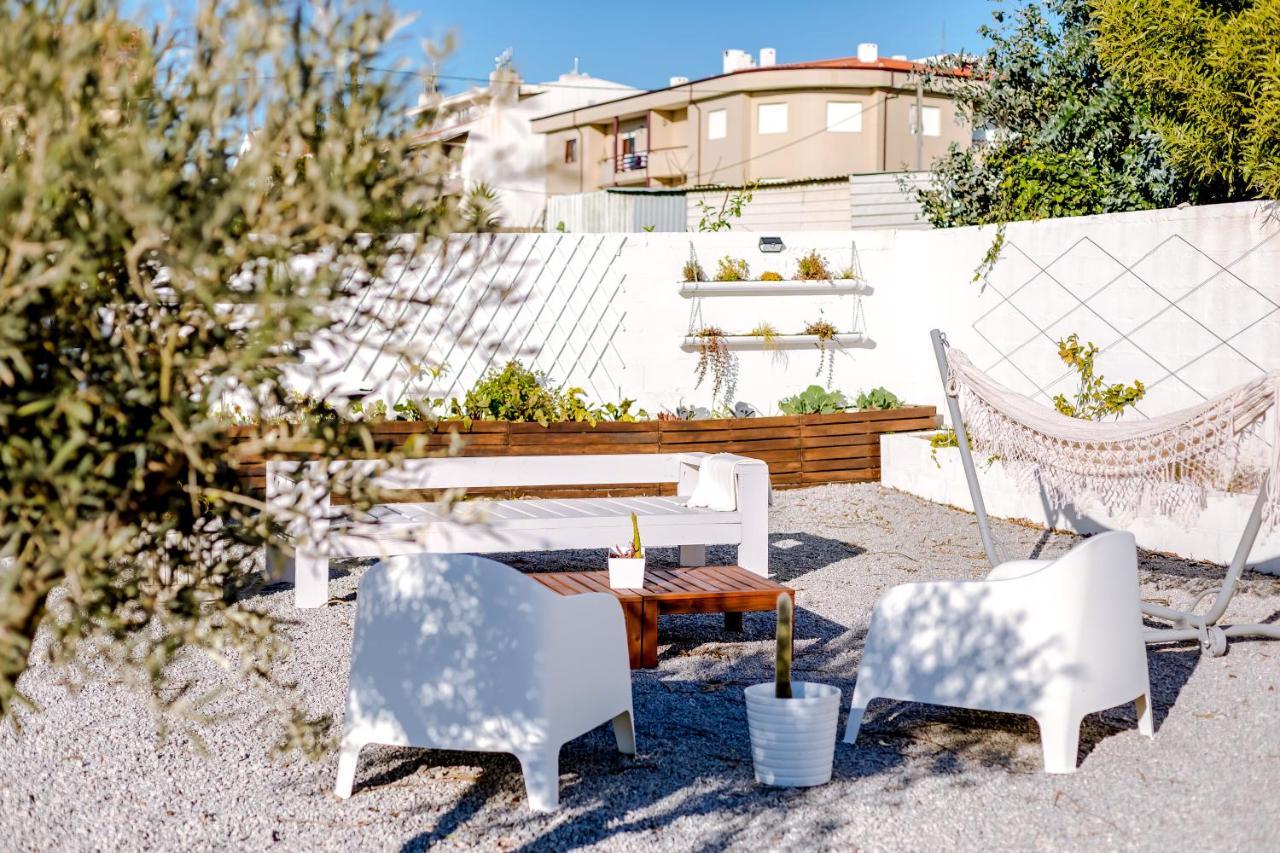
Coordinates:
[771,244]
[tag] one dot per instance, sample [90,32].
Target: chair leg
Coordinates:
[311,579]
[542,778]
[348,757]
[1060,740]
[857,707]
[693,555]
[624,731]
[1146,722]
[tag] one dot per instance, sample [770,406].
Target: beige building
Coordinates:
[756,123]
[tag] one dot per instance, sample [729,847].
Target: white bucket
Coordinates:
[626,572]
[793,741]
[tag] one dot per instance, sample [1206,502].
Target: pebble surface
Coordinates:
[88,773]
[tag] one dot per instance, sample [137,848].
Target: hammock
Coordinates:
[1164,465]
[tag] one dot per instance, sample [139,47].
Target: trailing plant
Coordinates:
[878,398]
[692,271]
[714,358]
[784,647]
[770,275]
[1094,399]
[812,267]
[814,400]
[826,333]
[635,550]
[732,269]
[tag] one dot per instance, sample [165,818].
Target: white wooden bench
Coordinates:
[320,531]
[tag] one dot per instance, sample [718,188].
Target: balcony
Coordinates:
[631,162]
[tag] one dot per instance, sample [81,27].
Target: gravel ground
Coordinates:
[88,772]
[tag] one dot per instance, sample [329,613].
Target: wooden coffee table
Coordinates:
[730,590]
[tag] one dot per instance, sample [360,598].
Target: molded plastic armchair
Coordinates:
[1052,639]
[453,651]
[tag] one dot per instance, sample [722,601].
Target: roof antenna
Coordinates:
[575,66]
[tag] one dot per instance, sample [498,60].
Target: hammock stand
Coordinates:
[1185,625]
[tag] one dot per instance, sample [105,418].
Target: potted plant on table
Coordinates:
[792,724]
[626,562]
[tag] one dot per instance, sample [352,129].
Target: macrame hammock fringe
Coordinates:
[1161,466]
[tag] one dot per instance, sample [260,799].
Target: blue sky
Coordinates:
[644,43]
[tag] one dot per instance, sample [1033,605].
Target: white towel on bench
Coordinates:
[716,488]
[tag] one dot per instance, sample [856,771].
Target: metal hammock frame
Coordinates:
[1184,625]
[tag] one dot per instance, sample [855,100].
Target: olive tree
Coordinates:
[156,193]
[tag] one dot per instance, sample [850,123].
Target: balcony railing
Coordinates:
[630,162]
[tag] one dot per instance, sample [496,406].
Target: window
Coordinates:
[771,118]
[844,117]
[629,140]
[932,121]
[717,124]
[571,150]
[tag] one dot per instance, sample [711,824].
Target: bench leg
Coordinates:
[278,565]
[649,636]
[733,622]
[311,579]
[693,555]
[753,552]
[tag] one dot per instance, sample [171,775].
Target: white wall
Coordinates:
[1186,300]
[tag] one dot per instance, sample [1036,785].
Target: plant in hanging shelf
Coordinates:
[814,400]
[878,398]
[825,333]
[766,330]
[714,356]
[692,271]
[770,275]
[812,267]
[732,269]
[848,274]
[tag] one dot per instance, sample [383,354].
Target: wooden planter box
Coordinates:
[801,450]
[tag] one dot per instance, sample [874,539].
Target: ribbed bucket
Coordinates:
[793,741]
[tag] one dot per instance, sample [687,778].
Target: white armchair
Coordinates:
[1052,639]
[453,651]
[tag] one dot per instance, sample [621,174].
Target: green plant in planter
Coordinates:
[784,648]
[692,271]
[732,269]
[812,267]
[636,549]
[770,275]
[1095,400]
[814,400]
[878,398]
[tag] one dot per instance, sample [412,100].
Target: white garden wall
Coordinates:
[1186,300]
[907,464]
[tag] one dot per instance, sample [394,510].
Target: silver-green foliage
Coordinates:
[154,196]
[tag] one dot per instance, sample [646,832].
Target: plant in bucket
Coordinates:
[626,562]
[792,724]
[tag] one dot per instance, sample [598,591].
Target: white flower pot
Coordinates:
[793,741]
[626,572]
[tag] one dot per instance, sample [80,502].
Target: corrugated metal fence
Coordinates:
[614,211]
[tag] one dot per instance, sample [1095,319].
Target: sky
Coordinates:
[644,43]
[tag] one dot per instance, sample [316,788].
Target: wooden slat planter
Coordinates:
[801,450]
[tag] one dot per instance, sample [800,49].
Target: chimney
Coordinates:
[768,57]
[868,51]
[677,81]
[736,60]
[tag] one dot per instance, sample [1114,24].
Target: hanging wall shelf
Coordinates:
[699,289]
[782,342]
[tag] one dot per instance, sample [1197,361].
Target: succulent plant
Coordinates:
[782,662]
[636,548]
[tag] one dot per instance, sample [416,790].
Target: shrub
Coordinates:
[878,398]
[516,393]
[770,275]
[692,271]
[732,269]
[812,267]
[814,400]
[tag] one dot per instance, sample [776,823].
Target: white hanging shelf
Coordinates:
[781,342]
[696,289]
